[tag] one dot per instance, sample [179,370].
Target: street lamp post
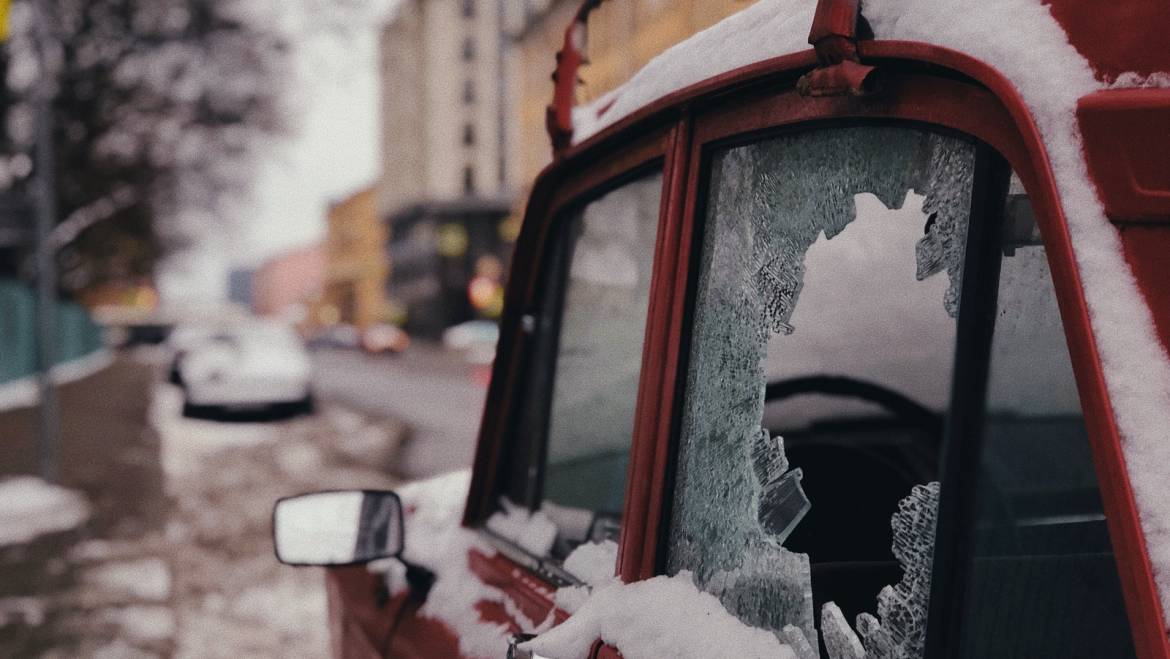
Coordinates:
[46,267]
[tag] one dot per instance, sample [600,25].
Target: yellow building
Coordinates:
[356,263]
[623,36]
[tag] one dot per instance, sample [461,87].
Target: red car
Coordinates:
[857,350]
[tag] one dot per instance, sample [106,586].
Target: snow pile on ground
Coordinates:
[659,617]
[1022,40]
[145,579]
[436,540]
[30,507]
[186,442]
[533,531]
[24,393]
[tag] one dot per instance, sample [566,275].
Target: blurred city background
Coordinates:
[250,248]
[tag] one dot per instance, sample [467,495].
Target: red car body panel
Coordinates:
[1126,145]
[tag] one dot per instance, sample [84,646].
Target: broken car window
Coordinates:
[820,376]
[828,291]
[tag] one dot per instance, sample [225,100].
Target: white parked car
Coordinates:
[181,341]
[245,368]
[475,338]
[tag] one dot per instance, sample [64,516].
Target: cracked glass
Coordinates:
[819,377]
[820,368]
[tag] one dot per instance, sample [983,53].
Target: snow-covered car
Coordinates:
[857,350]
[476,339]
[179,342]
[384,338]
[247,367]
[341,336]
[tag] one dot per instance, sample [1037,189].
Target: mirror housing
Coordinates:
[347,527]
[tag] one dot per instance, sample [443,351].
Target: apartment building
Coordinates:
[445,188]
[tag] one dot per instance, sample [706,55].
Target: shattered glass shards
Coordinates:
[735,498]
[840,641]
[769,589]
[795,639]
[782,501]
[902,608]
[782,505]
[768,457]
[948,206]
[783,285]
[795,188]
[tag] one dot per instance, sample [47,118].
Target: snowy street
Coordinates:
[176,561]
[434,391]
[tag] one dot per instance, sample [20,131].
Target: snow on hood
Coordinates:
[1022,40]
[436,540]
[767,29]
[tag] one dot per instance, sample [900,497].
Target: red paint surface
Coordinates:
[602,651]
[531,594]
[637,553]
[362,630]
[1117,36]
[1127,148]
[1147,248]
[834,18]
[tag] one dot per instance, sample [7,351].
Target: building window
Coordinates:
[469,134]
[468,180]
[468,92]
[468,8]
[468,49]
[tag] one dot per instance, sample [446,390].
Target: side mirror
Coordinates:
[337,528]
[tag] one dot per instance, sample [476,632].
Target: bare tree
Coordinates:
[157,111]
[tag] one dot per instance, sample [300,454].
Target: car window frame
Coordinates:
[946,102]
[506,464]
[555,281]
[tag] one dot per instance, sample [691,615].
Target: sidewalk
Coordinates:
[176,559]
[104,431]
[49,589]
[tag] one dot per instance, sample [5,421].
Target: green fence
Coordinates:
[77,334]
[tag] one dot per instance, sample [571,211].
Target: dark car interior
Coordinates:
[846,533]
[1040,535]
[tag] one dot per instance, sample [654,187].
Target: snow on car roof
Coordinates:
[1025,43]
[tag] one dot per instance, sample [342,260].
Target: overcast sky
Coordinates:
[331,151]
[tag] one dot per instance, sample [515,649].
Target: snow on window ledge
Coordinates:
[532,531]
[658,617]
[591,562]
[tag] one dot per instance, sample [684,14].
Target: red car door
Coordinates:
[558,421]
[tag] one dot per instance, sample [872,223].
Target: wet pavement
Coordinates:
[176,559]
[435,392]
